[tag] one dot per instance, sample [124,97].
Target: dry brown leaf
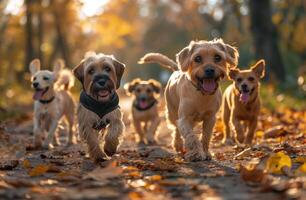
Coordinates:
[102,174]
[39,170]
[8,164]
[275,132]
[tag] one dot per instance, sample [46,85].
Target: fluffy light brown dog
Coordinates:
[98,111]
[144,108]
[241,102]
[52,101]
[192,93]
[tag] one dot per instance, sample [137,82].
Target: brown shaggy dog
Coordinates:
[192,92]
[241,102]
[144,108]
[98,111]
[52,101]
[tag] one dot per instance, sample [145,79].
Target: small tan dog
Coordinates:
[192,93]
[100,76]
[241,102]
[144,108]
[52,101]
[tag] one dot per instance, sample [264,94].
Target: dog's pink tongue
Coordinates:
[103,93]
[38,94]
[209,85]
[244,97]
[143,104]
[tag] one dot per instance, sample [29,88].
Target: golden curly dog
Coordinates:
[98,111]
[241,102]
[144,108]
[192,92]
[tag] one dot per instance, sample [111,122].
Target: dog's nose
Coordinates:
[209,73]
[35,85]
[101,82]
[244,87]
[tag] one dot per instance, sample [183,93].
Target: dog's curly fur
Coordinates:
[46,116]
[92,66]
[145,121]
[192,92]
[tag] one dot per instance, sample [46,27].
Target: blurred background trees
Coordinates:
[48,29]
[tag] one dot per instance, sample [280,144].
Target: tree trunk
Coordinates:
[40,33]
[29,50]
[265,38]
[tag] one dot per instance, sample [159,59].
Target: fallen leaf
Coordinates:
[135,196]
[102,174]
[154,178]
[301,170]
[277,161]
[252,174]
[26,164]
[39,170]
[299,159]
[275,132]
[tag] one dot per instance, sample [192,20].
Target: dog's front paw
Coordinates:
[55,141]
[110,146]
[193,156]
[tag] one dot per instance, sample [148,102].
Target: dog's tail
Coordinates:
[160,59]
[65,80]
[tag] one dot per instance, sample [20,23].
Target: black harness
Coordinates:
[100,108]
[47,101]
[136,105]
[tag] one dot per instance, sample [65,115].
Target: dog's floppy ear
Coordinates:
[78,71]
[232,74]
[119,67]
[231,52]
[259,68]
[58,66]
[183,57]
[130,87]
[34,66]
[156,85]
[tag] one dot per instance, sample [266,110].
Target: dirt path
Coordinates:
[147,172]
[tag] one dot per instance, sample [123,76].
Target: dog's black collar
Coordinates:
[47,101]
[136,105]
[99,108]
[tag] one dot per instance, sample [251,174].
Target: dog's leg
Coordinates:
[152,130]
[37,132]
[139,130]
[208,125]
[227,138]
[193,146]
[71,138]
[55,140]
[237,129]
[112,138]
[177,142]
[251,130]
[47,143]
[93,143]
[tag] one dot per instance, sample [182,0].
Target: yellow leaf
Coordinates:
[26,164]
[277,161]
[259,134]
[39,170]
[301,171]
[154,178]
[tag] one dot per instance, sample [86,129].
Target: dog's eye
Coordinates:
[45,78]
[251,78]
[91,71]
[107,68]
[198,59]
[149,90]
[34,79]
[239,80]
[138,90]
[217,58]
